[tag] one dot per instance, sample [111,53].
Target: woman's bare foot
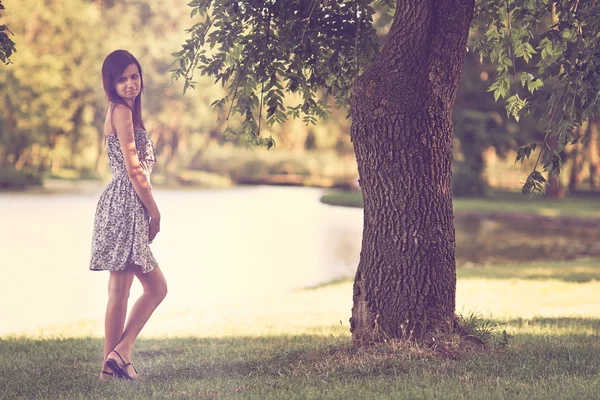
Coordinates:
[131,372]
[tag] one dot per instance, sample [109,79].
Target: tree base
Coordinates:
[470,334]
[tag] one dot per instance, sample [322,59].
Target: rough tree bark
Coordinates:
[401,110]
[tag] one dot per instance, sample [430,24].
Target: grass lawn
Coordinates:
[587,206]
[297,346]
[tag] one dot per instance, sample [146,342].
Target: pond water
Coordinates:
[214,244]
[484,241]
[217,244]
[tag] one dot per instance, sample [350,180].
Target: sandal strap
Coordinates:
[108,373]
[132,366]
[125,364]
[122,360]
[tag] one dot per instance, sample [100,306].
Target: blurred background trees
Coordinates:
[52,102]
[52,107]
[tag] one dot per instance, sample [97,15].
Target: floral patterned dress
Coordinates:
[121,224]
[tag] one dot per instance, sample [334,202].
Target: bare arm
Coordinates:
[123,122]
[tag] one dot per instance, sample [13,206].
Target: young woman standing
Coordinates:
[127,217]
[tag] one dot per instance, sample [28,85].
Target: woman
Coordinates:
[127,217]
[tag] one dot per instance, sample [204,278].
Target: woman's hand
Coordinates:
[154,228]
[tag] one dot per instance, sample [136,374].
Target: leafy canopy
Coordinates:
[546,52]
[547,55]
[262,49]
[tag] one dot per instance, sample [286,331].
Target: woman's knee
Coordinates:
[161,292]
[119,285]
[158,291]
[154,284]
[118,293]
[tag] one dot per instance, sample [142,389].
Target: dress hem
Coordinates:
[125,267]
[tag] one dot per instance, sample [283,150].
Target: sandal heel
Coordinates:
[120,369]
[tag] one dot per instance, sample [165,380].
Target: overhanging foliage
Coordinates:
[548,58]
[546,53]
[262,49]
[7,46]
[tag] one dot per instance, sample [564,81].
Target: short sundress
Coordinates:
[121,224]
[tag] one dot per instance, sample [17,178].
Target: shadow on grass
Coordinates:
[302,366]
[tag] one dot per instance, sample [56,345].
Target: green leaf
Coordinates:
[535,183]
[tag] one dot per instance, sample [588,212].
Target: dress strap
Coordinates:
[112,125]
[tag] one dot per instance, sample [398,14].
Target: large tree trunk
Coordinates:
[401,110]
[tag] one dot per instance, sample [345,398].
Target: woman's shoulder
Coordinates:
[121,111]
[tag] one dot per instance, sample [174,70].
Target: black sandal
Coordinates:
[112,374]
[119,370]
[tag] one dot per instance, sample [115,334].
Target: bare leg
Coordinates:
[155,290]
[119,284]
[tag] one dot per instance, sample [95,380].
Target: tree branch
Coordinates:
[308,19]
[548,130]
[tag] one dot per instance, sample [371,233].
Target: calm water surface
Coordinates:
[214,245]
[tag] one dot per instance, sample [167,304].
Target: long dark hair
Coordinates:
[112,68]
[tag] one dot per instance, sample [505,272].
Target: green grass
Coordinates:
[296,345]
[350,198]
[587,206]
[542,362]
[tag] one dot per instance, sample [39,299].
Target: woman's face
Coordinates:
[129,84]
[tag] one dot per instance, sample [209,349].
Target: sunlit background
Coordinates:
[244,232]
